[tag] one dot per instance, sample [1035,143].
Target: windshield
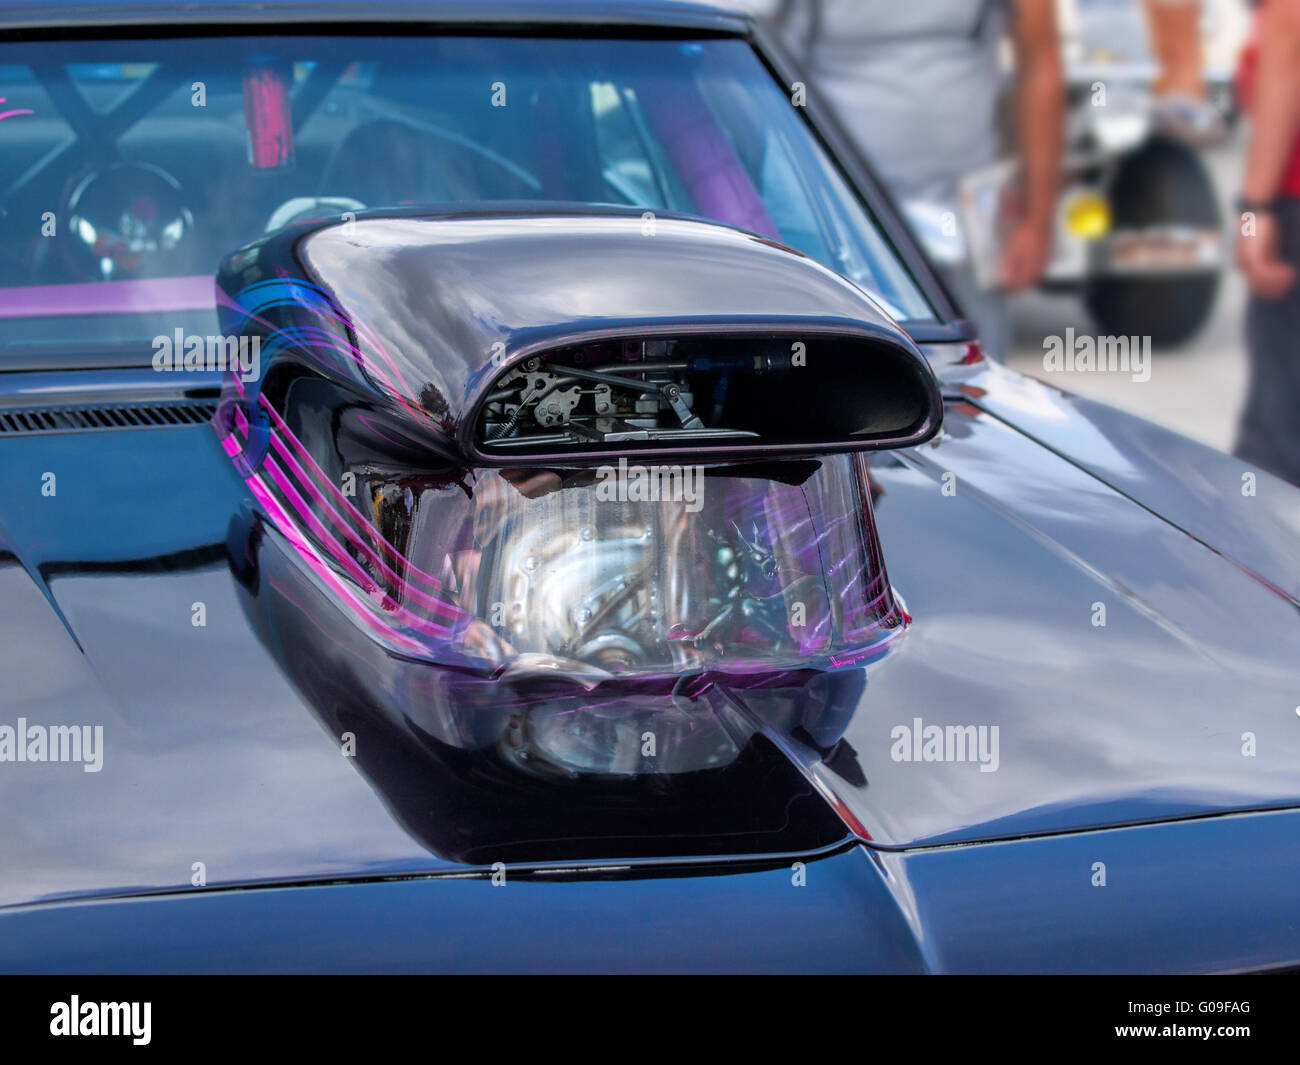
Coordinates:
[129,169]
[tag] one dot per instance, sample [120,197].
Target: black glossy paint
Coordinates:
[211,755]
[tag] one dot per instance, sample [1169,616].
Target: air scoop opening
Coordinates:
[706,393]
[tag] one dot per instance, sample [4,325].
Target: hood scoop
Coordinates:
[505,336]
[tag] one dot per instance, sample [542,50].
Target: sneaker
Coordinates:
[1185,118]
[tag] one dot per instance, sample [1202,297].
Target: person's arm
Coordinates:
[1274,127]
[1040,117]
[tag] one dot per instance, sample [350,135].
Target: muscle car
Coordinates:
[495,487]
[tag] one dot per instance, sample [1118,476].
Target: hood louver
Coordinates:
[99,417]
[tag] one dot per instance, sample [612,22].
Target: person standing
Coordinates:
[917,84]
[1268,243]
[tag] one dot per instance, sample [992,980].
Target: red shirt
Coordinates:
[1244,85]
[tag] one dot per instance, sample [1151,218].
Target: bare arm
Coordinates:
[1275,124]
[1040,116]
[1275,112]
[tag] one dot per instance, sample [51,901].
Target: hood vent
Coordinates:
[97,417]
[812,392]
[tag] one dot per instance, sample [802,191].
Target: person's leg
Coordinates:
[1269,434]
[1176,41]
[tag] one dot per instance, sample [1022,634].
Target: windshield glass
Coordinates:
[129,169]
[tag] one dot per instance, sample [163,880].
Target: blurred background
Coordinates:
[1152,146]
[1197,387]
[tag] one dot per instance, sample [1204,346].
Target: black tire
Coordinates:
[1162,182]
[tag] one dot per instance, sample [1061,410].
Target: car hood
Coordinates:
[118,606]
[1134,668]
